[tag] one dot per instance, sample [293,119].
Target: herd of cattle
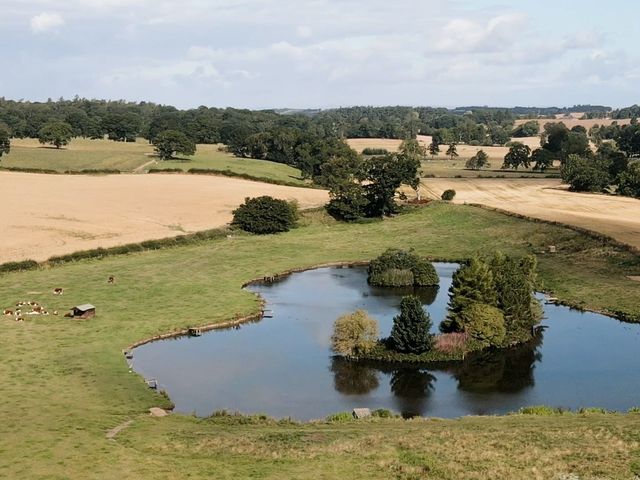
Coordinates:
[34,308]
[30,307]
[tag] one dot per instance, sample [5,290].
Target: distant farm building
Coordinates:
[84,311]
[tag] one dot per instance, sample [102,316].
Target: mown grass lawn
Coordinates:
[65,382]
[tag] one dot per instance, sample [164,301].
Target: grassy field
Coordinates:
[209,157]
[65,383]
[80,154]
[83,154]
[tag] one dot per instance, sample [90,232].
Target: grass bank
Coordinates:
[209,157]
[65,383]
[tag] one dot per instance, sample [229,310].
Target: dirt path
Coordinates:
[111,434]
[547,199]
[46,215]
[143,167]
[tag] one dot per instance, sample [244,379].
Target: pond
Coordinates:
[283,366]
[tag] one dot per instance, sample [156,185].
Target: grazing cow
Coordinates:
[44,312]
[19,319]
[8,312]
[37,309]
[58,291]
[55,312]
[68,315]
[111,279]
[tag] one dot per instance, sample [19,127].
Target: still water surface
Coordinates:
[282,366]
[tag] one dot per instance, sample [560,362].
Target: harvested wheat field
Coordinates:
[359,144]
[548,199]
[464,151]
[574,121]
[46,215]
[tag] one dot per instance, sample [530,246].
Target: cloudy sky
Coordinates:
[322,53]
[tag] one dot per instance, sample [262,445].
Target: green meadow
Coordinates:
[65,383]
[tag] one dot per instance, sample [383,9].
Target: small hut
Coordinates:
[361,413]
[84,311]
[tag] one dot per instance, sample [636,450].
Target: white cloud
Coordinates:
[464,35]
[304,31]
[46,21]
[270,53]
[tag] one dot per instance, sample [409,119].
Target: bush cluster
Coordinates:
[397,268]
[375,151]
[448,195]
[492,300]
[265,215]
[18,266]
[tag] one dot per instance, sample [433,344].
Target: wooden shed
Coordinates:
[84,311]
[361,413]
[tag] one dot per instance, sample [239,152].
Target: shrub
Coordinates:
[354,334]
[484,323]
[395,277]
[17,266]
[264,215]
[448,195]
[375,151]
[383,413]
[340,417]
[452,342]
[397,267]
[411,329]
[541,410]
[347,202]
[592,410]
[629,181]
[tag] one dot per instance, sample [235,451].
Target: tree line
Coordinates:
[612,167]
[124,121]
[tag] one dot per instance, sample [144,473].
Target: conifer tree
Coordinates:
[434,147]
[411,328]
[472,283]
[514,281]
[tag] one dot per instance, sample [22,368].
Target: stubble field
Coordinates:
[44,215]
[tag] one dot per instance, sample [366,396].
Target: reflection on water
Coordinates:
[505,371]
[352,378]
[283,366]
